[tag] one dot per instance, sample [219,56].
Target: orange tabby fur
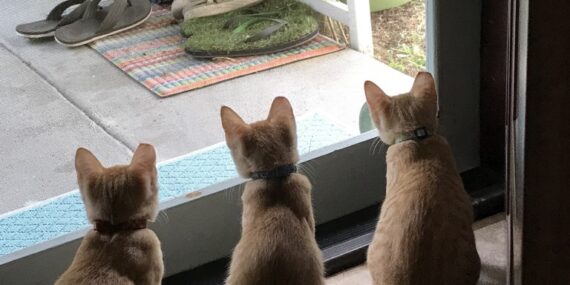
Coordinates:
[424,235]
[117,194]
[278,244]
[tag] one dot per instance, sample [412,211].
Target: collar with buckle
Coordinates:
[107,228]
[418,134]
[278,172]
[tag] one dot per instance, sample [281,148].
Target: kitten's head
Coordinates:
[406,112]
[120,193]
[262,145]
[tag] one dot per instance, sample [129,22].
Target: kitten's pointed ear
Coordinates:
[234,126]
[86,164]
[144,159]
[424,86]
[281,110]
[376,98]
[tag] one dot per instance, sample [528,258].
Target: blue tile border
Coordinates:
[65,214]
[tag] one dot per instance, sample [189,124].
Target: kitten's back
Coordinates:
[424,234]
[277,244]
[126,258]
[119,201]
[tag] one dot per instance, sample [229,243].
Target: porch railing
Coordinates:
[355,14]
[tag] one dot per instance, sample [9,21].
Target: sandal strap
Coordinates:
[56,13]
[92,6]
[197,3]
[267,32]
[114,16]
[75,14]
[204,8]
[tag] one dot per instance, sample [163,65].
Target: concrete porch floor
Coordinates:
[490,235]
[55,99]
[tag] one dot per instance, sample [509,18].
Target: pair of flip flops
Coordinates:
[189,9]
[269,27]
[88,21]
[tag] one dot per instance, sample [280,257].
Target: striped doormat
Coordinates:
[153,54]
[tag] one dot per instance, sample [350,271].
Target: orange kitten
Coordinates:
[119,201]
[278,244]
[424,235]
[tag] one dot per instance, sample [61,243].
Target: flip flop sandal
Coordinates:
[122,15]
[264,34]
[209,8]
[274,26]
[177,7]
[189,9]
[55,19]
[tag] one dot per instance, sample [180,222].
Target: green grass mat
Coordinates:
[208,34]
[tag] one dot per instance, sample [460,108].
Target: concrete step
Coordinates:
[330,85]
[39,133]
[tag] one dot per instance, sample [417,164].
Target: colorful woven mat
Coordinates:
[153,55]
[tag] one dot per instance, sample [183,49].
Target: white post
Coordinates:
[360,26]
[332,8]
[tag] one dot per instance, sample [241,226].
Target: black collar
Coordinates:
[107,228]
[278,172]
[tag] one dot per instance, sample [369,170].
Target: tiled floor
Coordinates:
[491,244]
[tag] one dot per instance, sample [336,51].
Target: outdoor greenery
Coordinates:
[407,58]
[234,31]
[399,37]
[399,33]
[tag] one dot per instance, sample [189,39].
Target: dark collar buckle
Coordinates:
[278,172]
[421,133]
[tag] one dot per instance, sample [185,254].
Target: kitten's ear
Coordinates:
[234,126]
[144,159]
[376,98]
[281,110]
[86,164]
[424,86]
[143,165]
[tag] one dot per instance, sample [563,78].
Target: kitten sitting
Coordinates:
[424,235]
[120,201]
[278,244]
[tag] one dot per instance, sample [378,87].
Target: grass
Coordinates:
[399,37]
[209,34]
[408,59]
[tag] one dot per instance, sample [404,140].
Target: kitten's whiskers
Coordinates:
[374,145]
[162,217]
[308,170]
